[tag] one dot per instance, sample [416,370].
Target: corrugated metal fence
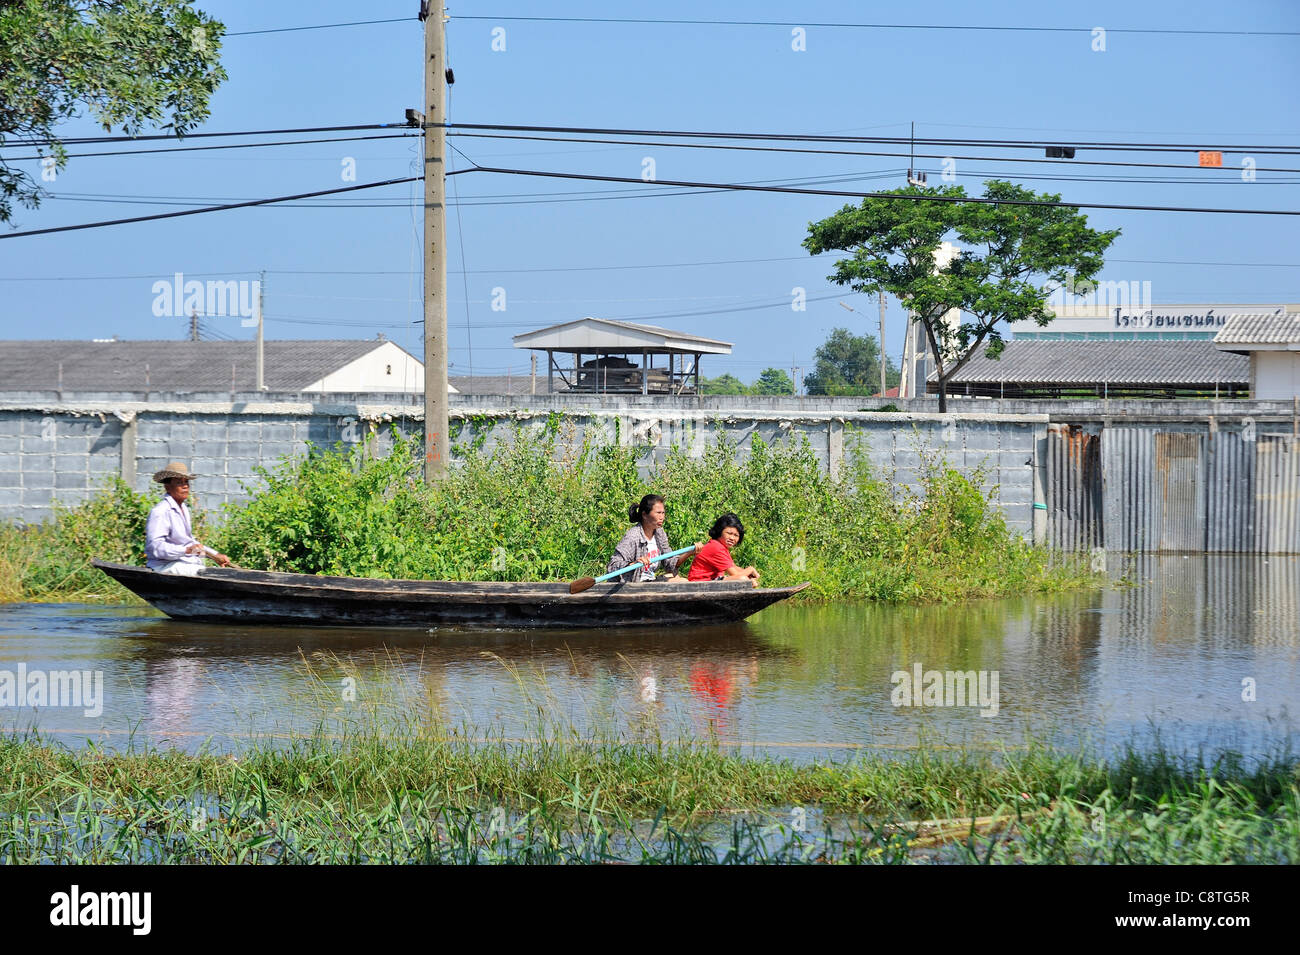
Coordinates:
[1073,470]
[1155,489]
[1150,488]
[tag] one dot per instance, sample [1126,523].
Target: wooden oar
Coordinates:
[585,583]
[211,554]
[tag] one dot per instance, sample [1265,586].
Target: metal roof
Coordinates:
[1266,328]
[173,366]
[1108,362]
[606,335]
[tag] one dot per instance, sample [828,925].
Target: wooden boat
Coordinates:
[255,596]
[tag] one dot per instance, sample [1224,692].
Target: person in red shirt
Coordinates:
[714,562]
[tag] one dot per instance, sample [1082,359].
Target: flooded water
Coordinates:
[1200,654]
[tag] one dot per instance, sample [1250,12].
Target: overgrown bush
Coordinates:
[52,559]
[545,506]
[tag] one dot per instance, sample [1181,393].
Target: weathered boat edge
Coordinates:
[226,595]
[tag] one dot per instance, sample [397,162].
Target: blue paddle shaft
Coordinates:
[636,564]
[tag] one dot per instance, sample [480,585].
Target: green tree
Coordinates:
[773,381]
[132,64]
[1014,250]
[848,364]
[723,385]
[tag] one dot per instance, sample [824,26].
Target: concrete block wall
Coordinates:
[46,457]
[64,447]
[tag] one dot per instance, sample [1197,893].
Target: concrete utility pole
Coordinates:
[261,291]
[882,345]
[435,245]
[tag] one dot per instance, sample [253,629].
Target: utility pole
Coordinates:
[882,344]
[261,303]
[194,324]
[435,244]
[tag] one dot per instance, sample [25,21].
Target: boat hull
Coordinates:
[224,595]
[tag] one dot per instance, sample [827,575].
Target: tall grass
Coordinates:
[372,799]
[51,561]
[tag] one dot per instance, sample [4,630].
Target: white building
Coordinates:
[918,358]
[1115,318]
[1273,343]
[349,366]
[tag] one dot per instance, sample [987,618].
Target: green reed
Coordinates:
[414,798]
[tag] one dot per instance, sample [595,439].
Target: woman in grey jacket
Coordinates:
[644,541]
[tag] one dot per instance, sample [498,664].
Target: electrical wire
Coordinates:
[656,21]
[195,149]
[192,212]
[318,26]
[893,140]
[850,152]
[798,190]
[1207,144]
[574,268]
[87,140]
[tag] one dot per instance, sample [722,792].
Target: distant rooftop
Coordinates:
[173,366]
[1271,330]
[609,336]
[1121,365]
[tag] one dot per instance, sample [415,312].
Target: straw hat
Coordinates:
[174,470]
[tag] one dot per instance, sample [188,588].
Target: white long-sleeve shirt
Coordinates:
[167,534]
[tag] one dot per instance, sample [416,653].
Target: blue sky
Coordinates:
[351,270]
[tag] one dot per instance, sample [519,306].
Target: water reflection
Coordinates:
[1168,658]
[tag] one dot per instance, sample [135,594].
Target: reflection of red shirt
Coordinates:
[710,562]
[711,685]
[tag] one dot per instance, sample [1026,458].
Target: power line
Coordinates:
[572,268]
[895,140]
[195,149]
[193,212]
[87,140]
[853,152]
[881,26]
[798,190]
[318,26]
[516,198]
[1209,143]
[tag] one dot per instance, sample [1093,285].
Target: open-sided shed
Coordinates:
[613,357]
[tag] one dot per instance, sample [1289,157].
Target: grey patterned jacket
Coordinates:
[632,548]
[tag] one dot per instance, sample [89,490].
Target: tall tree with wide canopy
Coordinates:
[772,381]
[1014,251]
[848,364]
[130,64]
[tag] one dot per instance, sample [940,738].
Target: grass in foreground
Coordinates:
[414,800]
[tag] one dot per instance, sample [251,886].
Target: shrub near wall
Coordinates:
[540,508]
[51,560]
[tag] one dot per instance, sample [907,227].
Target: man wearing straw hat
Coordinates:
[169,536]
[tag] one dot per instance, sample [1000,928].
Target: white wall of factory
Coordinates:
[1275,374]
[386,369]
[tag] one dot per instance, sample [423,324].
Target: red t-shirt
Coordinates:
[710,562]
